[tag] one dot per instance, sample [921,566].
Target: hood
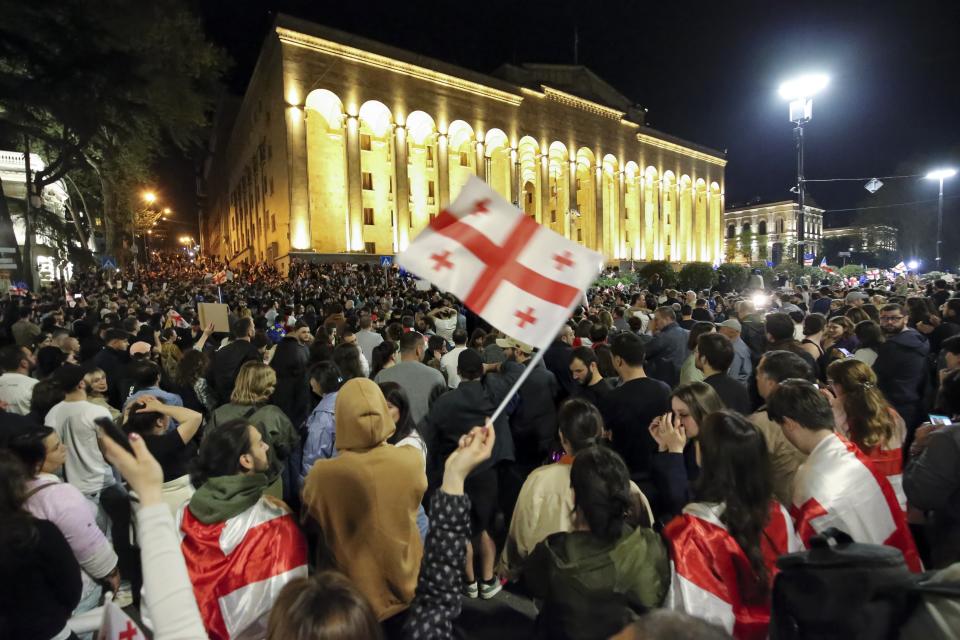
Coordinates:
[910,339]
[362,418]
[599,564]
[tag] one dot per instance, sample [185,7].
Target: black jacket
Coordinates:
[902,373]
[457,411]
[666,352]
[226,363]
[931,483]
[733,394]
[557,360]
[534,421]
[114,365]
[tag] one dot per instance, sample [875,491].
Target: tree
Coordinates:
[664,268]
[107,85]
[736,275]
[746,243]
[697,276]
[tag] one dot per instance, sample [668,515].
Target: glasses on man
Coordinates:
[890,318]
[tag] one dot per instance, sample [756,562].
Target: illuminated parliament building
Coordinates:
[342,145]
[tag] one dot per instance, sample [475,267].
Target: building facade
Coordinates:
[870,238]
[768,232]
[344,145]
[54,198]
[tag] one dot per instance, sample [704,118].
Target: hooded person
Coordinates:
[364,501]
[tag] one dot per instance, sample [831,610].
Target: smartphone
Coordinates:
[77,296]
[940,421]
[115,433]
[846,353]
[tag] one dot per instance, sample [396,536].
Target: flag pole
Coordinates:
[220,294]
[537,357]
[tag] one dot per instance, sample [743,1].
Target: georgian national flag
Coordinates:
[219,278]
[707,566]
[239,566]
[900,267]
[519,276]
[177,320]
[839,487]
[19,288]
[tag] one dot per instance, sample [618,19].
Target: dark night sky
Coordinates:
[707,72]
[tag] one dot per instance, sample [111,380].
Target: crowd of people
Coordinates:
[328,466]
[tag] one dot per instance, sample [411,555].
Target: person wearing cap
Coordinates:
[534,423]
[113,359]
[742,365]
[451,416]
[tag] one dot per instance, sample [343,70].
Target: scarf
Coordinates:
[223,497]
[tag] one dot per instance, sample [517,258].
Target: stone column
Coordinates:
[300,232]
[482,163]
[545,190]
[354,185]
[443,171]
[515,189]
[619,248]
[402,190]
[600,242]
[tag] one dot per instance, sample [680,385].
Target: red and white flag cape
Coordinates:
[519,276]
[239,566]
[708,567]
[839,487]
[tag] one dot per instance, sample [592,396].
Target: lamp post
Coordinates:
[799,92]
[941,175]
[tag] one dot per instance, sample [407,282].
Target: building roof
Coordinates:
[576,80]
[771,205]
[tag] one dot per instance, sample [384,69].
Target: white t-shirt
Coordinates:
[16,390]
[449,365]
[445,326]
[416,442]
[86,468]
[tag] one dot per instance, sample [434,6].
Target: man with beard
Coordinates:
[584,368]
[901,365]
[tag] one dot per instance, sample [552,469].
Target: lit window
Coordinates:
[368,215]
[370,247]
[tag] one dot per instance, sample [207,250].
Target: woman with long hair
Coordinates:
[191,381]
[725,545]
[476,340]
[384,357]
[250,401]
[41,585]
[864,416]
[609,568]
[677,464]
[292,394]
[545,503]
[871,337]
[406,435]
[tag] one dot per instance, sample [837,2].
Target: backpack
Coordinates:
[841,589]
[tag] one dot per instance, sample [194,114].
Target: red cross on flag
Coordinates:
[117,625]
[517,275]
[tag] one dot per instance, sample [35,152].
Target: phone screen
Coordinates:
[845,352]
[939,420]
[77,296]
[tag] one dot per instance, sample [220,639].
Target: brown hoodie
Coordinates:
[365,500]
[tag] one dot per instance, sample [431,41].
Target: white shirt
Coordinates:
[449,365]
[16,390]
[86,469]
[445,327]
[367,341]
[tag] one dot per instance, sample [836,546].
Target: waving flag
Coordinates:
[708,566]
[219,278]
[808,259]
[519,276]
[19,288]
[900,267]
[825,267]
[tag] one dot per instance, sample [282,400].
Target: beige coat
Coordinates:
[785,458]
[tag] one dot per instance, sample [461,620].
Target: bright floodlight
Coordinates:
[913,264]
[941,174]
[804,86]
[149,197]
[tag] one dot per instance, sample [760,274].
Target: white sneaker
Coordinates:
[490,589]
[471,590]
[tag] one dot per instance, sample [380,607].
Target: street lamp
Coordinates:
[799,92]
[149,197]
[941,175]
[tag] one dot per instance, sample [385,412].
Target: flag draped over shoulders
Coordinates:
[709,568]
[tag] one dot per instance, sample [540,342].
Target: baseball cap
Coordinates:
[68,376]
[732,323]
[139,347]
[510,343]
[856,295]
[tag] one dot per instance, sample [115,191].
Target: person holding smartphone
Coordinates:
[931,480]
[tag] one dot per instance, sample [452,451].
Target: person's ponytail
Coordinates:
[601,485]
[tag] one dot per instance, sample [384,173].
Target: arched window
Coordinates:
[762,228]
[731,231]
[746,228]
